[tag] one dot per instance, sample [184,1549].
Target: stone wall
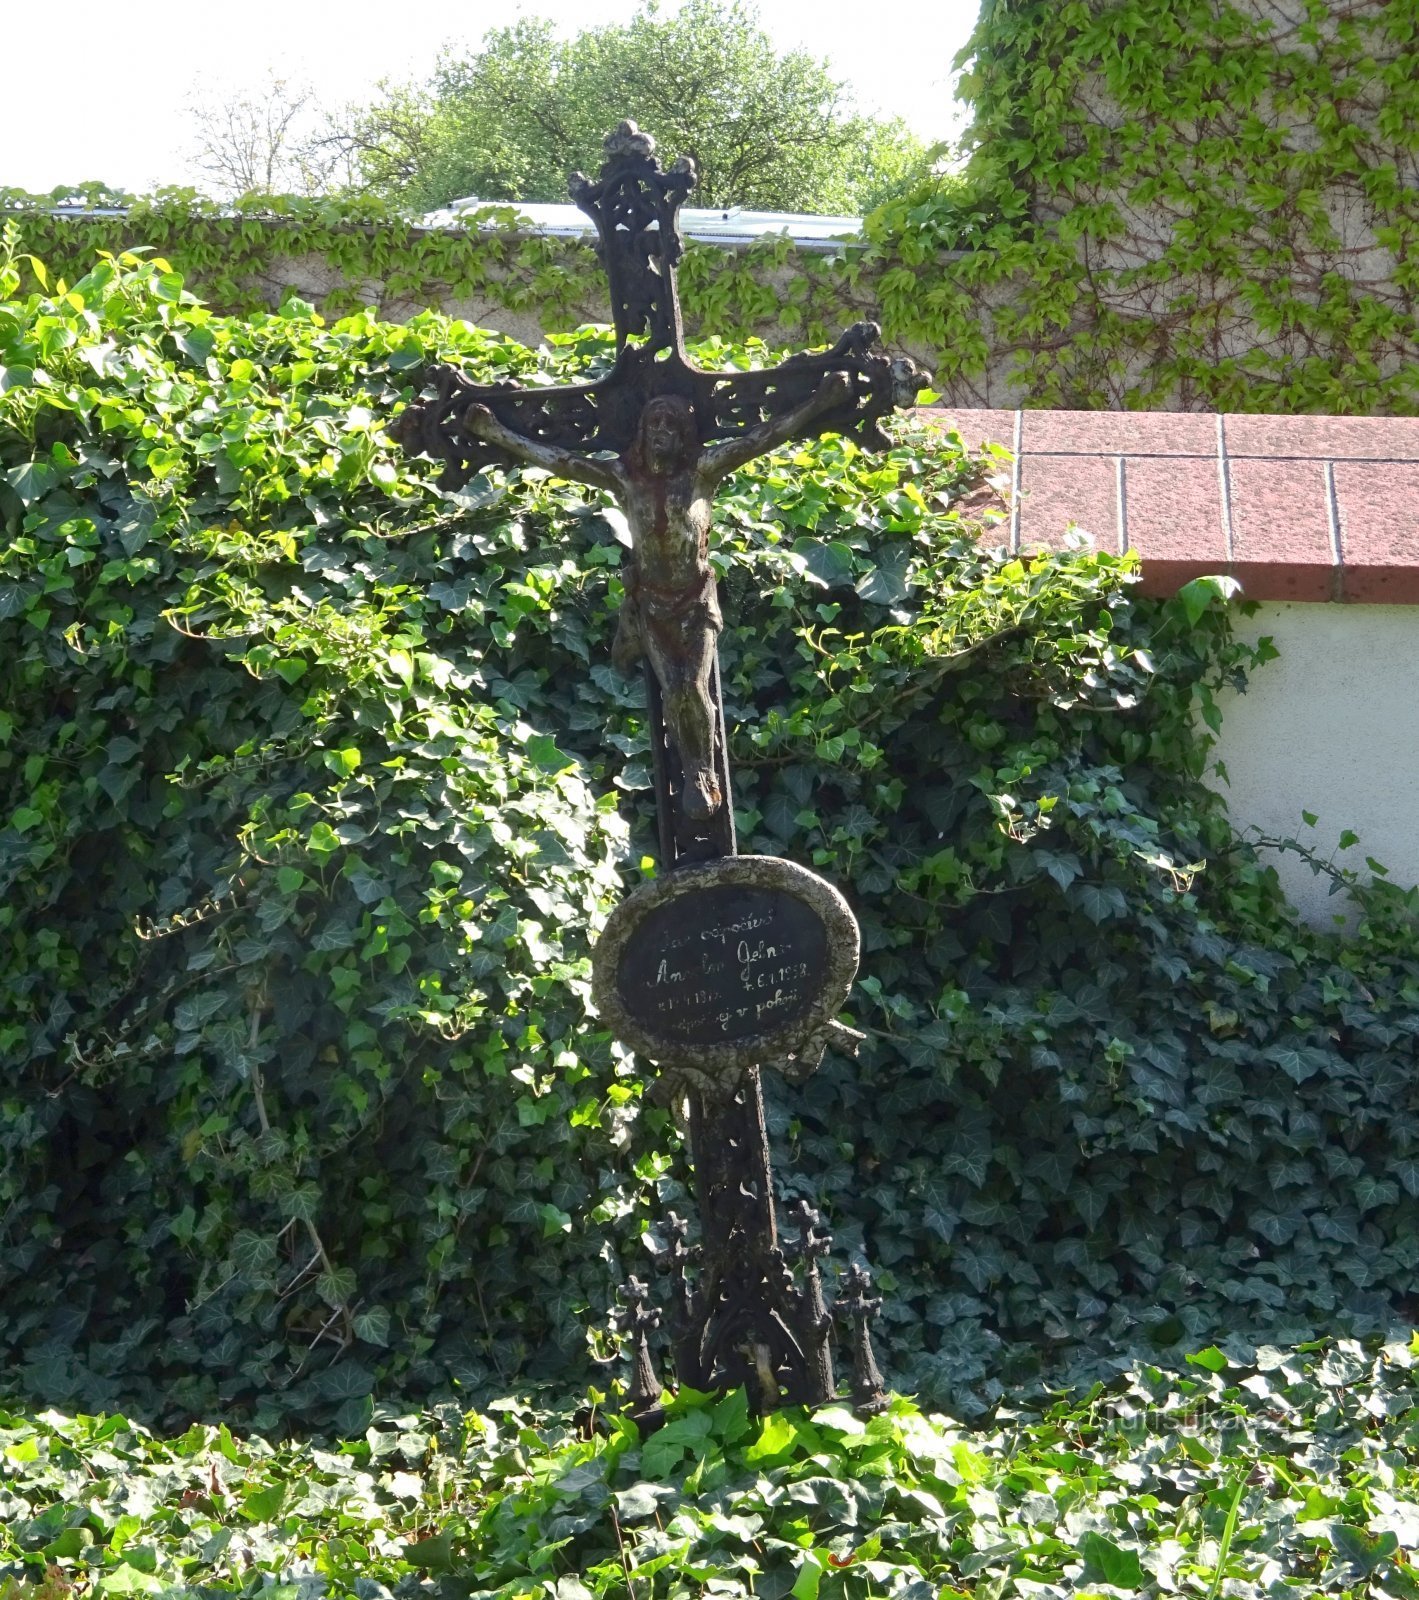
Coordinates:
[786,297]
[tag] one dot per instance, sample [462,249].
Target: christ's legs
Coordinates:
[687,711]
[682,654]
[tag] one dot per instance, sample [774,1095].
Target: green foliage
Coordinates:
[310,785]
[1282,1471]
[1188,206]
[510,121]
[275,891]
[236,254]
[1185,207]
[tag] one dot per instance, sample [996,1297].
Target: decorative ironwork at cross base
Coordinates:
[727,963]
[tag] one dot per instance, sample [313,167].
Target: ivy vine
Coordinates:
[1210,205]
[316,782]
[247,258]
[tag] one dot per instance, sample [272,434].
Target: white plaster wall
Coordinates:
[1332,727]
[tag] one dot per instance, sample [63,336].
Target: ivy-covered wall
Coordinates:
[344,256]
[1206,205]
[316,781]
[1198,205]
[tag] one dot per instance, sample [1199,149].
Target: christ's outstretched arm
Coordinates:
[482,424]
[721,459]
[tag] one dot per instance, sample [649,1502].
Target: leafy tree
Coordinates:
[510,121]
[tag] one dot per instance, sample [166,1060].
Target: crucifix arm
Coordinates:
[482,424]
[721,459]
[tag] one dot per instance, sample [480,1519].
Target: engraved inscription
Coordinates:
[722,964]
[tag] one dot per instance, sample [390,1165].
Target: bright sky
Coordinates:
[100,96]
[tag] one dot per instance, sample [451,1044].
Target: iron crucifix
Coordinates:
[660,435]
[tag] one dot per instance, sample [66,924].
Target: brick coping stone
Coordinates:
[1297,508]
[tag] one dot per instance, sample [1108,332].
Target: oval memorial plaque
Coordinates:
[725,965]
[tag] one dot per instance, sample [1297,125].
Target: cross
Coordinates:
[638,1319]
[858,1305]
[660,434]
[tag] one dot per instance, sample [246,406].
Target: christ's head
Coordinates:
[668,438]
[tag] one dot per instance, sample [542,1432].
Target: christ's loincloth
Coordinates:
[665,618]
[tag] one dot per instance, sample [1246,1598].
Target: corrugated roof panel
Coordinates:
[733,225]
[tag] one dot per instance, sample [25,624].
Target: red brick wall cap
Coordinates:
[1296,508]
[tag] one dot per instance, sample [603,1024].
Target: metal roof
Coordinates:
[733,225]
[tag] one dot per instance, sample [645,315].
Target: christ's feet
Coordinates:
[702,797]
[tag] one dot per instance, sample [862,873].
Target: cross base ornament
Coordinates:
[727,963]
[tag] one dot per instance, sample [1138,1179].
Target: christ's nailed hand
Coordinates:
[475,418]
[834,388]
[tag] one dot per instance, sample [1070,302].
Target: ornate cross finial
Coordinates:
[639,1319]
[675,1259]
[634,206]
[626,141]
[813,1240]
[859,1305]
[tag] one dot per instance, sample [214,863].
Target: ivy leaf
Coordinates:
[1106,1562]
[346,1380]
[197,343]
[779,1438]
[1211,1358]
[302,1202]
[1099,902]
[127,1579]
[252,1253]
[1370,1191]
[1298,1063]
[1275,1226]
[827,561]
[886,583]
[199,1008]
[434,1554]
[371,1325]
[1195,597]
[809,1577]
[336,1286]
[544,753]
[1360,1548]
[1340,1226]
[642,1500]
[661,1456]
[32,480]
[263,1505]
[929,1046]
[1063,868]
